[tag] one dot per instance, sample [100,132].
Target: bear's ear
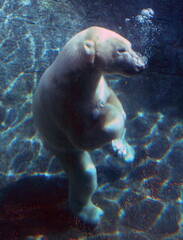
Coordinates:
[89,48]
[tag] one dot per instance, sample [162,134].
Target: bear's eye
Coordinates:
[120,51]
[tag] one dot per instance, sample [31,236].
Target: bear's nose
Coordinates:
[141,63]
[140,67]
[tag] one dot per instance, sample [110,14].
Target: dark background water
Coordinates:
[146,194]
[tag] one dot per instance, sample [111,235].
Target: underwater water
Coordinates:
[142,200]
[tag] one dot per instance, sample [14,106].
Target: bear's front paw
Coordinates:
[123,149]
[91,214]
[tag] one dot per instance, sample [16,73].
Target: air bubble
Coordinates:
[143,31]
[148,13]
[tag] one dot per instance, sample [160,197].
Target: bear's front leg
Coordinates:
[123,149]
[82,184]
[119,144]
[115,124]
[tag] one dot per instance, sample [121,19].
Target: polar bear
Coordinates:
[76,111]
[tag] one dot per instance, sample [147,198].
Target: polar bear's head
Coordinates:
[112,53]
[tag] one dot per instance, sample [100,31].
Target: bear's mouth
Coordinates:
[137,69]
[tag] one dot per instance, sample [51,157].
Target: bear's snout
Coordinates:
[133,63]
[141,63]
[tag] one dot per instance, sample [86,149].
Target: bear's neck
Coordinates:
[82,79]
[85,82]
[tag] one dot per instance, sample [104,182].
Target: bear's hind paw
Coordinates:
[91,214]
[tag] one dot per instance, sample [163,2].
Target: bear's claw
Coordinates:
[123,149]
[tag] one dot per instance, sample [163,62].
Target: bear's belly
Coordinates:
[53,137]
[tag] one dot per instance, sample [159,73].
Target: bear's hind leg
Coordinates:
[82,184]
